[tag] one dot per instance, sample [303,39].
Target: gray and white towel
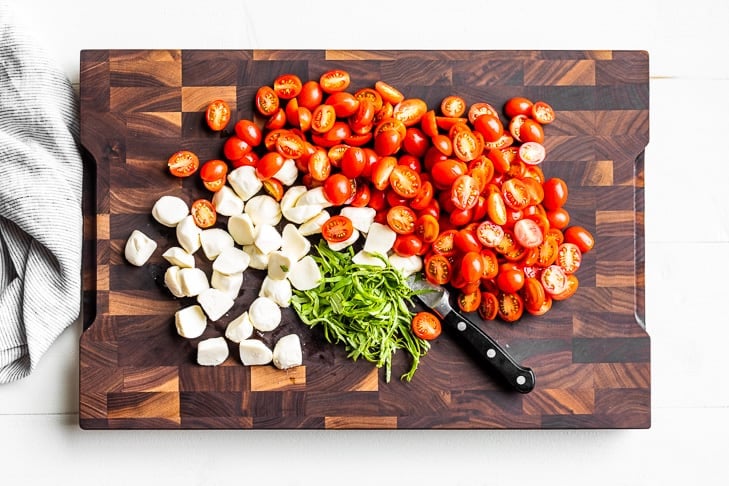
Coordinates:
[40,202]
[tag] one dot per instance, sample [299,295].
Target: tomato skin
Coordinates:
[249,132]
[183,163]
[344,103]
[387,142]
[554,280]
[510,279]
[381,171]
[531,131]
[465,240]
[337,189]
[353,162]
[489,234]
[408,245]
[489,126]
[518,105]
[472,267]
[311,95]
[426,325]
[203,213]
[415,142]
[427,228]
[334,80]
[268,165]
[217,115]
[287,86]
[543,112]
[533,294]
[444,173]
[389,93]
[496,208]
[213,174]
[401,219]
[516,193]
[558,218]
[319,165]
[336,229]
[579,236]
[469,299]
[555,193]
[570,288]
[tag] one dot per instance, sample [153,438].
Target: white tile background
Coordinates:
[687,244]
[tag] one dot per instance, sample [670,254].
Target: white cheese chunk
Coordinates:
[245,182]
[227,202]
[253,352]
[263,209]
[406,265]
[173,281]
[279,265]
[193,281]
[230,284]
[302,213]
[305,274]
[212,351]
[231,261]
[365,258]
[178,256]
[362,218]
[267,239]
[190,322]
[313,226]
[215,240]
[293,243]
[259,260]
[287,352]
[265,315]
[241,228]
[380,239]
[288,173]
[291,197]
[139,248]
[278,291]
[339,246]
[188,234]
[169,210]
[239,329]
[314,197]
[215,303]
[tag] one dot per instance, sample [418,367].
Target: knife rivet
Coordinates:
[491,353]
[461,326]
[520,380]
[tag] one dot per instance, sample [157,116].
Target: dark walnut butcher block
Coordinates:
[590,353]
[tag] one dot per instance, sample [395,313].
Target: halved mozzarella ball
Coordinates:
[265,315]
[293,243]
[139,248]
[242,229]
[278,291]
[259,260]
[379,239]
[231,261]
[365,258]
[267,238]
[188,234]
[215,303]
[230,284]
[313,226]
[406,265]
[212,351]
[173,281]
[341,245]
[239,329]
[263,209]
[287,352]
[178,256]
[190,322]
[193,281]
[245,182]
[314,197]
[169,210]
[305,274]
[227,202]
[302,213]
[362,218]
[214,241]
[291,197]
[279,265]
[253,352]
[288,173]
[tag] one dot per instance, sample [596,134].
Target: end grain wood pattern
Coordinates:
[590,354]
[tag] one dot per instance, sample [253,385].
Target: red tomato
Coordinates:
[408,245]
[527,233]
[353,162]
[511,307]
[344,103]
[569,257]
[489,126]
[469,298]
[580,237]
[465,239]
[334,80]
[466,145]
[555,193]
[319,165]
[323,118]
[453,105]
[488,309]
[311,95]
[554,280]
[465,192]
[235,148]
[217,115]
[472,266]
[444,173]
[183,163]
[338,189]
[489,234]
[532,153]
[389,93]
[543,112]
[516,193]
[496,208]
[267,101]
[387,142]
[530,131]
[268,165]
[287,86]
[444,244]
[381,171]
[290,145]
[415,142]
[533,294]
[405,181]
[249,132]
[250,158]
[337,229]
[273,188]
[401,219]
[518,105]
[203,213]
[481,108]
[558,218]
[427,228]
[570,288]
[510,279]
[437,269]
[426,325]
[213,174]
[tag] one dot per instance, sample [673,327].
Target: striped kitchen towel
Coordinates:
[40,202]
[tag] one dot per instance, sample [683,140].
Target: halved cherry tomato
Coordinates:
[580,237]
[267,101]
[381,171]
[489,234]
[518,105]
[337,189]
[323,118]
[516,193]
[437,269]
[268,165]
[511,306]
[203,213]
[273,188]
[488,309]
[426,325]
[466,145]
[217,115]
[469,300]
[496,208]
[287,86]
[554,280]
[311,95]
[532,153]
[334,80]
[465,239]
[213,174]
[570,288]
[453,106]
[543,112]
[427,228]
[319,165]
[183,163]
[481,108]
[389,93]
[445,172]
[401,219]
[290,145]
[472,267]
[533,294]
[569,257]
[528,233]
[465,192]
[336,229]
[444,244]
[344,103]
[530,131]
[405,181]
[249,132]
[489,126]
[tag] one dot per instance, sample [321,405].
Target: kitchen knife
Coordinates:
[494,356]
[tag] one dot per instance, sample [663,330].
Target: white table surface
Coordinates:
[687,245]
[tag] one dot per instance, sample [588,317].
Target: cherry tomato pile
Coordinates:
[461,185]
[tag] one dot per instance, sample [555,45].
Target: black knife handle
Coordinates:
[518,377]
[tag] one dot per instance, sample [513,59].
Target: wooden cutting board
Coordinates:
[590,354]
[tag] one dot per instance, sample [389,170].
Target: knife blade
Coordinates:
[496,358]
